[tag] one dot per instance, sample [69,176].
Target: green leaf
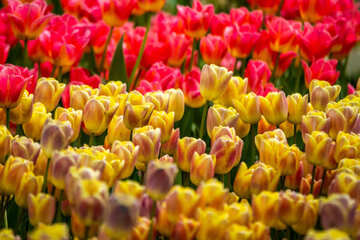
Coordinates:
[118,67]
[88,61]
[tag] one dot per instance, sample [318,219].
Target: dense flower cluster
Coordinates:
[122,121]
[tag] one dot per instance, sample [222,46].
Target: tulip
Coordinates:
[22,113]
[130,187]
[321,70]
[240,212]
[174,98]
[220,116]
[157,98]
[159,179]
[202,167]
[345,183]
[117,131]
[331,233]
[235,88]
[121,215]
[79,229]
[55,135]
[186,149]
[212,224]
[112,88]
[347,146]
[179,44]
[274,107]
[314,121]
[313,11]
[28,20]
[71,115]
[309,216]
[98,113]
[110,11]
[164,121]
[181,201]
[33,128]
[137,115]
[151,5]
[196,19]
[170,146]
[190,86]
[148,140]
[291,207]
[57,231]
[213,49]
[13,85]
[258,74]
[185,228]
[5,141]
[297,107]
[343,118]
[8,234]
[212,194]
[25,148]
[235,231]
[223,132]
[41,209]
[251,181]
[276,134]
[48,91]
[248,107]
[29,184]
[319,150]
[128,152]
[79,95]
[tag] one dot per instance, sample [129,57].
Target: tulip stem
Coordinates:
[6,225]
[91,139]
[297,81]
[25,55]
[242,67]
[142,48]
[8,118]
[192,54]
[322,183]
[253,130]
[19,130]
[272,78]
[20,217]
[53,71]
[58,208]
[46,175]
[86,234]
[279,8]
[203,119]
[105,49]
[312,179]
[153,212]
[235,66]
[294,137]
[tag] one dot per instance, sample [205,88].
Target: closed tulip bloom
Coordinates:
[186,149]
[240,212]
[159,178]
[291,207]
[55,135]
[196,19]
[116,13]
[221,116]
[29,184]
[314,121]
[57,231]
[313,11]
[174,99]
[179,44]
[331,233]
[214,81]
[343,118]
[157,98]
[48,91]
[41,208]
[236,231]
[223,132]
[264,126]
[117,131]
[277,134]
[22,113]
[297,107]
[79,95]
[151,5]
[202,167]
[190,86]
[321,70]
[71,115]
[25,148]
[5,141]
[78,227]
[212,49]
[148,140]
[11,174]
[321,93]
[185,229]
[227,152]
[212,194]
[33,128]
[236,87]
[121,215]
[128,152]
[251,181]
[13,85]
[112,88]
[170,146]
[345,183]
[164,121]
[274,107]
[248,107]
[213,224]
[8,234]
[137,115]
[130,187]
[309,216]
[319,150]
[98,113]
[258,74]
[347,146]
[181,201]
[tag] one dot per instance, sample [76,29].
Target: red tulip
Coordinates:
[196,19]
[83,75]
[213,49]
[89,9]
[258,74]
[268,6]
[146,86]
[4,49]
[12,86]
[167,77]
[191,88]
[218,23]
[116,13]
[5,27]
[100,32]
[314,10]
[321,70]
[290,9]
[179,44]
[28,20]
[241,16]
[32,75]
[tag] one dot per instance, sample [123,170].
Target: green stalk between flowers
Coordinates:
[105,49]
[322,183]
[141,52]
[91,139]
[253,131]
[46,175]
[272,78]
[203,119]
[153,211]
[279,8]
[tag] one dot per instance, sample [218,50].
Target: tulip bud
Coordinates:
[151,5]
[55,135]
[41,209]
[117,131]
[235,88]
[112,88]
[264,126]
[297,106]
[212,49]
[174,99]
[248,107]
[110,11]
[22,113]
[251,181]
[8,234]
[33,128]
[141,229]
[240,212]
[321,93]
[25,148]
[346,183]
[213,224]
[347,146]
[214,81]
[202,167]
[148,140]
[127,152]
[98,113]
[159,178]
[57,231]
[314,121]
[319,150]
[71,115]
[79,95]
[164,121]
[220,116]
[121,215]
[274,107]
[185,151]
[170,146]
[5,140]
[277,134]
[331,233]
[78,228]
[29,184]
[212,194]
[291,207]
[129,187]
[48,91]
[309,216]
[137,115]
[343,118]
[185,229]
[235,231]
